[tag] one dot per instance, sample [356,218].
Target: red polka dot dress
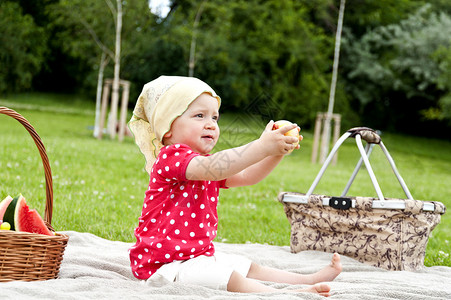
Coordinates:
[179,217]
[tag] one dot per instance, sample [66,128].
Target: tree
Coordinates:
[327,124]
[117,65]
[443,111]
[23,48]
[99,27]
[250,50]
[396,69]
[192,52]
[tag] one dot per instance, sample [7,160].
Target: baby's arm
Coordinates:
[227,163]
[254,173]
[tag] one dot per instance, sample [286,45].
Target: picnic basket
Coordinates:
[30,256]
[383,232]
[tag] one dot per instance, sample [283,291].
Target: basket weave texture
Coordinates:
[30,256]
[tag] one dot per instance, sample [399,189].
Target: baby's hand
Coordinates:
[276,142]
[292,132]
[300,138]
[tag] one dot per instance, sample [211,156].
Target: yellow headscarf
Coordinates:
[160,103]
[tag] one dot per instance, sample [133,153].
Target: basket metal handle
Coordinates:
[372,138]
[45,162]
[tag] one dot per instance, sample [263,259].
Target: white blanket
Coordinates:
[95,268]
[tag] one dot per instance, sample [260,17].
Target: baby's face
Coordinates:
[198,126]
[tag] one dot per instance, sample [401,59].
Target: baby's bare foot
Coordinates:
[335,266]
[326,274]
[319,288]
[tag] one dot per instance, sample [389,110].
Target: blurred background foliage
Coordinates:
[394,72]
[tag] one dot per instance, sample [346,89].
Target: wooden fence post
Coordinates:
[112,125]
[319,132]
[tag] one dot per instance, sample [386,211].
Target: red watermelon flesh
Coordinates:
[3,206]
[29,220]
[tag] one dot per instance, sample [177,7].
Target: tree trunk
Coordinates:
[103,63]
[192,51]
[112,123]
[326,131]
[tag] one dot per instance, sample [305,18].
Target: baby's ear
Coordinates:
[167,135]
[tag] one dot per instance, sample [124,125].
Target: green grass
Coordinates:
[99,185]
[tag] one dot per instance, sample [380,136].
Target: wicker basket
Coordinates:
[30,256]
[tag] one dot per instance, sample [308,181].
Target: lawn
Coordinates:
[99,185]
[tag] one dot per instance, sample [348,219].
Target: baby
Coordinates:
[175,124]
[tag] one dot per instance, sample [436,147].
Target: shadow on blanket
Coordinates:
[95,268]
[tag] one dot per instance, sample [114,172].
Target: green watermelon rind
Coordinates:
[11,211]
[18,207]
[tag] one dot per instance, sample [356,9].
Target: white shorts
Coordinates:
[208,271]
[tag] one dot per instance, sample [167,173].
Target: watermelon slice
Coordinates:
[10,211]
[21,218]
[3,206]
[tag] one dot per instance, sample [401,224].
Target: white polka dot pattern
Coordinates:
[179,217]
